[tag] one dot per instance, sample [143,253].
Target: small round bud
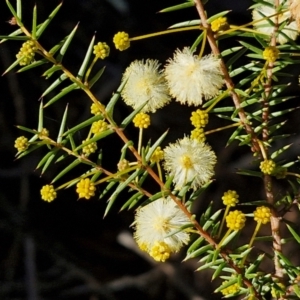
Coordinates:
[160,251]
[101,50]
[230,198]
[89,149]
[232,289]
[141,120]
[21,143]
[85,188]
[121,41]
[48,193]
[267,166]
[219,24]
[157,155]
[198,135]
[99,126]
[27,53]
[236,220]
[123,164]
[95,110]
[199,118]
[44,133]
[262,214]
[271,54]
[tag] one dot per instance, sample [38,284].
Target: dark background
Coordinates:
[65,249]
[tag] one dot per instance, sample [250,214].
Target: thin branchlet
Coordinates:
[275,220]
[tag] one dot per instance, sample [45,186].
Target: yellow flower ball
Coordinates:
[27,53]
[232,289]
[267,166]
[48,193]
[235,220]
[141,120]
[99,126]
[230,198]
[199,118]
[157,155]
[262,214]
[85,188]
[271,54]
[121,41]
[219,24]
[198,135]
[101,50]
[21,143]
[160,251]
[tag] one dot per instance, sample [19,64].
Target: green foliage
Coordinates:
[251,102]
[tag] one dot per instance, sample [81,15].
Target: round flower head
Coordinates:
[232,289]
[270,54]
[262,214]
[48,193]
[145,83]
[198,134]
[235,220]
[189,160]
[154,225]
[101,50]
[191,78]
[199,118]
[141,120]
[95,109]
[26,53]
[230,198]
[99,126]
[43,133]
[267,166]
[85,188]
[157,155]
[266,24]
[121,41]
[21,143]
[90,148]
[219,24]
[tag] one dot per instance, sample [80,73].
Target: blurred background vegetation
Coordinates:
[66,250]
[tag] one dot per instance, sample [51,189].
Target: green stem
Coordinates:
[88,72]
[141,37]
[217,100]
[203,44]
[223,239]
[252,240]
[223,220]
[223,128]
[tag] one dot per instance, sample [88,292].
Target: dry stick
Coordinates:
[275,221]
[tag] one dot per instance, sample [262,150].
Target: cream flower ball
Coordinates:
[145,83]
[189,160]
[192,79]
[265,25]
[157,228]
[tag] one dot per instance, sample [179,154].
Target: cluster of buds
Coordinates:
[27,53]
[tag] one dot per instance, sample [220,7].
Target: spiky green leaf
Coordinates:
[63,93]
[178,7]
[66,44]
[87,57]
[56,83]
[66,170]
[45,24]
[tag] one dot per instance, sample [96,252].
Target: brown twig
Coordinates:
[228,81]
[275,220]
